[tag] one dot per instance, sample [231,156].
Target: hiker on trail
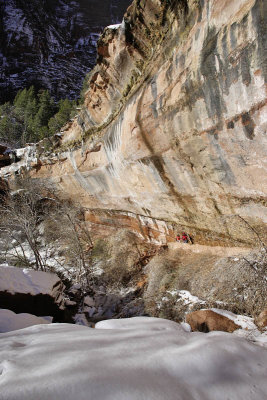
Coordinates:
[178,238]
[184,238]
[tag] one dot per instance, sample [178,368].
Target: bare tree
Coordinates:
[21,213]
[65,224]
[35,220]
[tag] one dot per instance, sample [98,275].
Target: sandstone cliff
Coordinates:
[171,136]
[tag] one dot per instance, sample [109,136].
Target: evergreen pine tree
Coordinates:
[10,130]
[62,116]
[33,116]
[21,99]
[46,109]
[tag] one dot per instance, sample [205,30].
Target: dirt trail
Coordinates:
[213,250]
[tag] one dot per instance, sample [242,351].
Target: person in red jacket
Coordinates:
[184,238]
[178,238]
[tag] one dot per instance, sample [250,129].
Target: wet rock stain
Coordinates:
[248,125]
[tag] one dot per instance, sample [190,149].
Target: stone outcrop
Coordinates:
[34,292]
[261,320]
[208,320]
[172,132]
[4,156]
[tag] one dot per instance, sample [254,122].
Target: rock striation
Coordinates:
[172,133]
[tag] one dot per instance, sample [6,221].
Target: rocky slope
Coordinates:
[51,43]
[171,136]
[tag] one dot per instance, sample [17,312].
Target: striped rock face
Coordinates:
[171,136]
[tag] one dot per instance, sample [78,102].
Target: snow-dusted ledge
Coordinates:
[29,291]
[27,281]
[27,156]
[116,26]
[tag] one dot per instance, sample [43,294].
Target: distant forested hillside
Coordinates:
[51,43]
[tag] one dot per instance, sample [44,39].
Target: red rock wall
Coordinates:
[174,122]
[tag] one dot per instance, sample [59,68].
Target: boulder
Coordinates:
[4,156]
[33,292]
[261,320]
[89,301]
[208,320]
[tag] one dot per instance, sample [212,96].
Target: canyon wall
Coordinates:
[172,134]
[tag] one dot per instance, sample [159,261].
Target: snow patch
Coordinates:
[183,296]
[17,280]
[140,323]
[248,329]
[10,321]
[242,320]
[116,26]
[186,297]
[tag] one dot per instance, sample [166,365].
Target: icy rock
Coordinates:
[91,311]
[261,320]
[70,303]
[80,319]
[75,288]
[89,301]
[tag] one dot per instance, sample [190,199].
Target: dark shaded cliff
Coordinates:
[51,43]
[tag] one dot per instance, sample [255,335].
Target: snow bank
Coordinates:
[9,321]
[136,359]
[17,280]
[186,297]
[140,323]
[180,296]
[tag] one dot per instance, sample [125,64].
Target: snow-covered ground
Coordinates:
[137,359]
